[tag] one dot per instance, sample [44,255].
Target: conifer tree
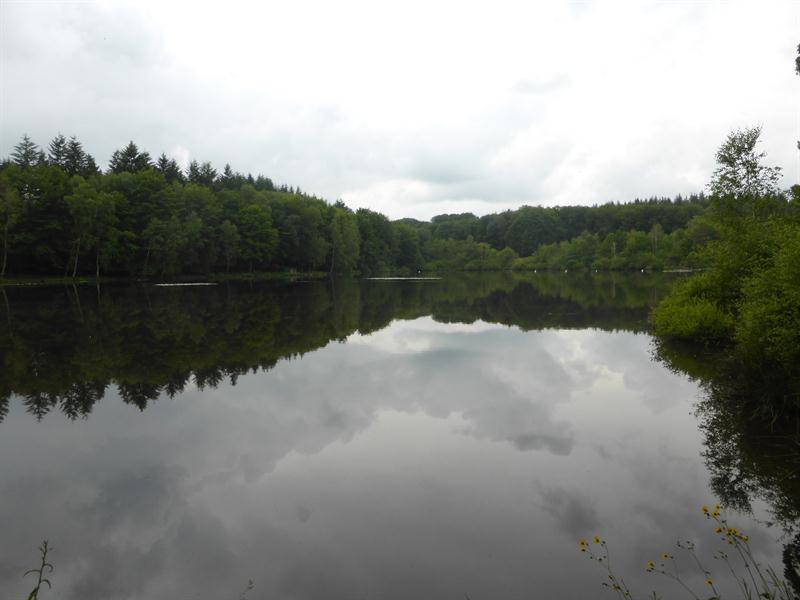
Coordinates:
[75,159]
[57,151]
[169,168]
[26,153]
[129,160]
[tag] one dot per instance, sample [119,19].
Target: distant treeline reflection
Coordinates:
[62,347]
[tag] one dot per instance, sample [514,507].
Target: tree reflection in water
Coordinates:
[61,347]
[751,425]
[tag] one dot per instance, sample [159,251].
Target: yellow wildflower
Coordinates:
[704,508]
[709,582]
[596,539]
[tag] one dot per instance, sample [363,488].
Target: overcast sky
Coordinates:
[413,108]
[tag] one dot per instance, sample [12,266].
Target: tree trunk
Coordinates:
[97,263]
[333,260]
[5,252]
[227,264]
[78,302]
[146,260]
[77,253]
[8,309]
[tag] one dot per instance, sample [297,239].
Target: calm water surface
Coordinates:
[382,439]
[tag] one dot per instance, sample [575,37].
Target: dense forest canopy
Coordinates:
[61,215]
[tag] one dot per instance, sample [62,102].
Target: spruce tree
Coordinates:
[74,162]
[26,153]
[129,160]
[169,168]
[57,151]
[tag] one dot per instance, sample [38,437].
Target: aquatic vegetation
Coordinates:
[752,579]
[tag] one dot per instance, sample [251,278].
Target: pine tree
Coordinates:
[226,179]
[129,160]
[207,174]
[57,151]
[194,172]
[203,174]
[169,168]
[74,162]
[26,153]
[90,167]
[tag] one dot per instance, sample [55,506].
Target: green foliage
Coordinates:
[377,243]
[691,312]
[129,160]
[769,309]
[466,255]
[258,237]
[344,241]
[10,214]
[740,171]
[750,295]
[94,221]
[230,243]
[26,153]
[166,223]
[618,251]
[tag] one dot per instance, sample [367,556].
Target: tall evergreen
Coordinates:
[169,168]
[57,151]
[75,158]
[129,160]
[26,153]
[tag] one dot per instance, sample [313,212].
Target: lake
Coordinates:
[388,439]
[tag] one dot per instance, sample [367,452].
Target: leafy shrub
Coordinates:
[769,311]
[691,312]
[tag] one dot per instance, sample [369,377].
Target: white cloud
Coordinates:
[413,108]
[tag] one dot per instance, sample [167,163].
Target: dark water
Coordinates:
[372,439]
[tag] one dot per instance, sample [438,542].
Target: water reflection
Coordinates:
[751,428]
[62,347]
[437,453]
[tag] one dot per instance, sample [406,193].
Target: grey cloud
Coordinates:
[140,495]
[574,512]
[538,441]
[109,571]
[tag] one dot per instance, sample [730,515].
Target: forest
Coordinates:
[62,216]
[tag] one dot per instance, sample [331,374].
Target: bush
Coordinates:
[691,312]
[769,310]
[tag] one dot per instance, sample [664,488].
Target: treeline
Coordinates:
[621,250]
[525,229]
[61,215]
